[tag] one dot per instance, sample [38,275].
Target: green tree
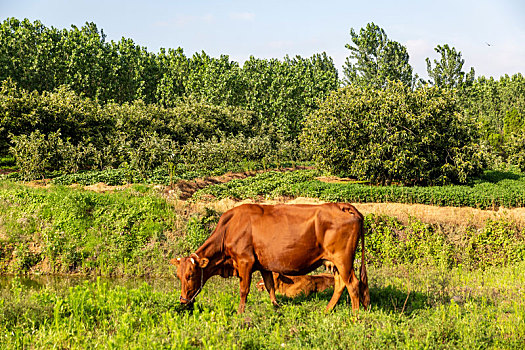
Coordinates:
[498,107]
[175,69]
[393,134]
[283,93]
[375,59]
[214,80]
[447,72]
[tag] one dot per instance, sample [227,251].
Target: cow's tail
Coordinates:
[363,277]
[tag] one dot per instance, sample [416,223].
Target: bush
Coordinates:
[395,134]
[151,152]
[389,243]
[208,154]
[88,135]
[34,153]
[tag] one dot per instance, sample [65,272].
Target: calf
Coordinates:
[292,286]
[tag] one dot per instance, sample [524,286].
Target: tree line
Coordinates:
[74,87]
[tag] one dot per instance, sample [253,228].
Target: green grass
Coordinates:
[134,232]
[411,308]
[161,175]
[429,289]
[432,286]
[492,190]
[66,230]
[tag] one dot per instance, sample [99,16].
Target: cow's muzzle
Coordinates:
[190,301]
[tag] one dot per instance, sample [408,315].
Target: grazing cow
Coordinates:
[290,239]
[292,286]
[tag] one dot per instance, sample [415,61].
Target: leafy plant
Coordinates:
[394,134]
[492,191]
[198,229]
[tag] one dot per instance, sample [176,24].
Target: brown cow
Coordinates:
[292,286]
[288,239]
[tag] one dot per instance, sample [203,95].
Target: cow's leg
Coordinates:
[245,276]
[339,286]
[270,286]
[352,285]
[349,279]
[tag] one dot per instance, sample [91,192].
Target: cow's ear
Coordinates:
[203,262]
[175,262]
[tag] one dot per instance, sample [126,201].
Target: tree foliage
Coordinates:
[447,72]
[279,92]
[393,134]
[498,106]
[63,131]
[375,59]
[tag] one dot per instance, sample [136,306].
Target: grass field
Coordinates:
[411,308]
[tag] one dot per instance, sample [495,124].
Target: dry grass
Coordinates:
[450,216]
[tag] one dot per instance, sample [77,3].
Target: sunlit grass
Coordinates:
[411,307]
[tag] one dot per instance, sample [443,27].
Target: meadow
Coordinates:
[433,283]
[412,307]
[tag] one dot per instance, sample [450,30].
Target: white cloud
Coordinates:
[242,16]
[419,47]
[281,44]
[185,20]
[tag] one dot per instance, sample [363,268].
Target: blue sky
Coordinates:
[273,29]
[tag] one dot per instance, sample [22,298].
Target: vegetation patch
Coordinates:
[492,190]
[411,307]
[136,230]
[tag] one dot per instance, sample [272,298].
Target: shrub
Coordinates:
[208,154]
[389,243]
[499,242]
[151,152]
[395,134]
[34,153]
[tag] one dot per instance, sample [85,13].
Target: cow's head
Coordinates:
[191,274]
